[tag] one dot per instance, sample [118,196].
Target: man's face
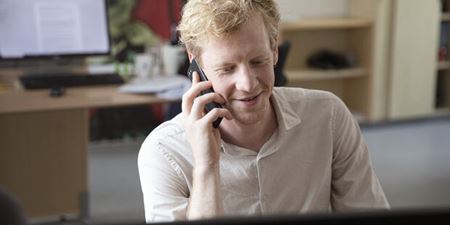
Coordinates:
[240,67]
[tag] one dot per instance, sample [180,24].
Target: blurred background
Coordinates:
[83,82]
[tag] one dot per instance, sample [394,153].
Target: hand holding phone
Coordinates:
[210,106]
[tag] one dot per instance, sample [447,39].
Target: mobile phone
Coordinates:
[210,106]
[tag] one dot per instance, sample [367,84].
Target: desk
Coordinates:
[43,145]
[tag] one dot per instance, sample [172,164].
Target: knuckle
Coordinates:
[185,96]
[203,98]
[197,100]
[215,111]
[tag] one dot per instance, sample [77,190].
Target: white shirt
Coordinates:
[317,161]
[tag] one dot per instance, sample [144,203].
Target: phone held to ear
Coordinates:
[210,106]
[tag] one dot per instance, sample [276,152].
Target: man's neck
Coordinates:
[252,136]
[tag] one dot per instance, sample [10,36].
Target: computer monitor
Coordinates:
[395,217]
[53,28]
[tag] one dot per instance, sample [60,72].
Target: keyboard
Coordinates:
[33,81]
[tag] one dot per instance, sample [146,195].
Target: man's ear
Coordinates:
[190,55]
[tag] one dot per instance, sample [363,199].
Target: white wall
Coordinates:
[298,9]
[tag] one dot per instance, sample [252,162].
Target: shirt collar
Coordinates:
[287,117]
[234,150]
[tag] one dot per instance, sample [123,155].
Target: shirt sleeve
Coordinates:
[354,183]
[164,189]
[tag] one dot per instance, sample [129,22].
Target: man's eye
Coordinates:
[226,70]
[257,62]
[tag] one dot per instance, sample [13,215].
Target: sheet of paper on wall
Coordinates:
[169,87]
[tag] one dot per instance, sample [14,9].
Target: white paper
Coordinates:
[58,26]
[171,87]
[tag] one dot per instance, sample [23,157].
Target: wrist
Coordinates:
[206,169]
[206,162]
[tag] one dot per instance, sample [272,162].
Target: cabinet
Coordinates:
[413,58]
[442,102]
[400,71]
[351,36]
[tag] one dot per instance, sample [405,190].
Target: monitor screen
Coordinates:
[36,28]
[397,217]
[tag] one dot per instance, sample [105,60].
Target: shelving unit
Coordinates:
[349,35]
[325,23]
[443,74]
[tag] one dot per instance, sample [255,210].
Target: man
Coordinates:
[277,150]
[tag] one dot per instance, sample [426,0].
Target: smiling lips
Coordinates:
[250,100]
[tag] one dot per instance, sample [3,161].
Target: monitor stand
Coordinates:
[54,66]
[44,65]
[11,70]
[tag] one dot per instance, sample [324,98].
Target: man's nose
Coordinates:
[246,79]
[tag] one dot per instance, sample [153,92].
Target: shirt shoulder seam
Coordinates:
[170,159]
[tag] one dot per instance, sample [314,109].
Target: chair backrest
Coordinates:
[11,212]
[283,51]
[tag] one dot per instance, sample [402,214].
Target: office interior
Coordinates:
[69,155]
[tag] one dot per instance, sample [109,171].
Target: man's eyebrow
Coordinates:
[221,65]
[260,55]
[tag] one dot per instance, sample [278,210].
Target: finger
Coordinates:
[192,93]
[200,102]
[187,98]
[214,114]
[195,77]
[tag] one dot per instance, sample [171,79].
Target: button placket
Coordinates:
[263,198]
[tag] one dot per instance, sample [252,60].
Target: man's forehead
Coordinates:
[222,53]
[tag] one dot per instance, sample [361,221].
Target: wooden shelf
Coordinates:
[442,111]
[349,35]
[444,65]
[318,75]
[326,23]
[445,16]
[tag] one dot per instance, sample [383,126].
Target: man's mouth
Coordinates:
[249,99]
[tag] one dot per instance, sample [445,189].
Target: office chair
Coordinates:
[11,212]
[283,51]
